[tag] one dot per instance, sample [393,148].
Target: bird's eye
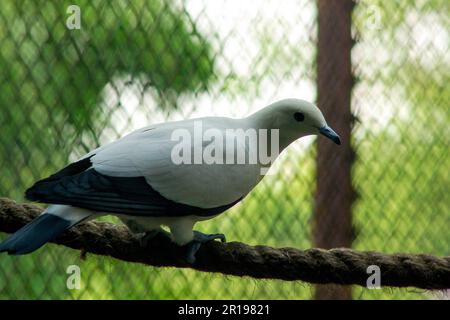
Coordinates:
[299,116]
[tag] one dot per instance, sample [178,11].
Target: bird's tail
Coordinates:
[52,222]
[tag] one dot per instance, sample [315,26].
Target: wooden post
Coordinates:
[334,194]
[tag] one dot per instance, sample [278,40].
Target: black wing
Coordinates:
[81,186]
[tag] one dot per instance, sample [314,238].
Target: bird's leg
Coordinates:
[145,230]
[148,235]
[183,235]
[196,243]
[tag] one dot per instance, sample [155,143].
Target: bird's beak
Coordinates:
[329,133]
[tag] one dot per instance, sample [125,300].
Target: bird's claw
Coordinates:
[196,243]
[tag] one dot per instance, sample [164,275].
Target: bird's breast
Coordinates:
[209,186]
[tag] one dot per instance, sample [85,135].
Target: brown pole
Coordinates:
[334,193]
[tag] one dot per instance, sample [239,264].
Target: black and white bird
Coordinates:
[137,179]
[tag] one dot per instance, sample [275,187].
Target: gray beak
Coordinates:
[329,133]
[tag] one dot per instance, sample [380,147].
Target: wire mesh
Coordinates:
[132,63]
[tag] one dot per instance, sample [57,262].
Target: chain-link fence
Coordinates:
[68,85]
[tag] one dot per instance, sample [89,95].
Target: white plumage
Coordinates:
[147,152]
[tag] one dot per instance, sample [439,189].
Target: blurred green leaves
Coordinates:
[68,68]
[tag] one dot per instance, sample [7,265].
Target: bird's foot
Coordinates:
[149,235]
[199,239]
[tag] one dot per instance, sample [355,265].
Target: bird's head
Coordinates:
[295,118]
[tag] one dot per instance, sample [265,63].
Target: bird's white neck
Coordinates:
[271,118]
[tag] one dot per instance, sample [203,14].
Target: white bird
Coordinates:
[139,178]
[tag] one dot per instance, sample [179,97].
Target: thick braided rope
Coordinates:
[337,266]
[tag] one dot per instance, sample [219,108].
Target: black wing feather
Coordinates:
[89,189]
[70,170]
